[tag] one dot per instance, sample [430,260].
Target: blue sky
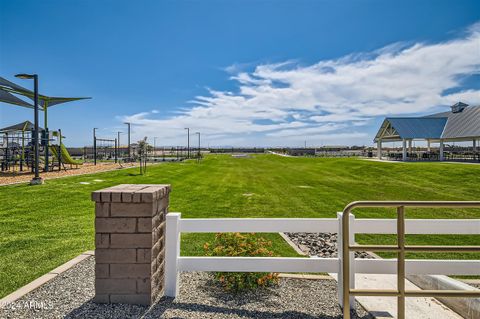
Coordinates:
[262,73]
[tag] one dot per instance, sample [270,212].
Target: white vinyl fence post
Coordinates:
[172,252]
[340,261]
[352,258]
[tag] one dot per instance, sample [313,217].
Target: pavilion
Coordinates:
[460,124]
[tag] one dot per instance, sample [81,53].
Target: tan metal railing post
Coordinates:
[400,249]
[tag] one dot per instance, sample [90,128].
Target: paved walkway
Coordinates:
[280,154]
[386,307]
[375,159]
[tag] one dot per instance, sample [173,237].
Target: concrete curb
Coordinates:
[292,244]
[19,293]
[468,308]
[305,276]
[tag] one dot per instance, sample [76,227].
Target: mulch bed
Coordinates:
[87,168]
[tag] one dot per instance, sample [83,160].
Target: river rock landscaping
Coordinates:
[320,244]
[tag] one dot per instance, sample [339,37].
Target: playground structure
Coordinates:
[26,146]
[28,151]
[17,149]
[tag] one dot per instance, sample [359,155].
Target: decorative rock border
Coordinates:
[318,244]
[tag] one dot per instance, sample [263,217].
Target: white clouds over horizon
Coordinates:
[330,101]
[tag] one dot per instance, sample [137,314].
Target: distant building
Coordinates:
[461,124]
[301,151]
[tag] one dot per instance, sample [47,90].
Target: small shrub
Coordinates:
[238,245]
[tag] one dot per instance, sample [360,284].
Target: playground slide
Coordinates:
[66,158]
[53,151]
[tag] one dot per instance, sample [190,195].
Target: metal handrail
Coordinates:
[400,249]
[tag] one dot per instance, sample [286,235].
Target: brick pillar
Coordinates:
[129,243]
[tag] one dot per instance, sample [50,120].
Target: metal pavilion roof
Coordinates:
[461,124]
[456,124]
[397,128]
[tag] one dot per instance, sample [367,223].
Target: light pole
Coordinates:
[128,124]
[94,146]
[118,141]
[198,133]
[154,146]
[188,142]
[37,180]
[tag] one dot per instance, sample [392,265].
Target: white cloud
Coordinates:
[330,100]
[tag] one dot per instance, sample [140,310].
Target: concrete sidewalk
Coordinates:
[386,307]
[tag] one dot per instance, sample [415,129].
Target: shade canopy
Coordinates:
[12,99]
[44,101]
[20,127]
[7,84]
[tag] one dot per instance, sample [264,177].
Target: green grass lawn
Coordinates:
[44,226]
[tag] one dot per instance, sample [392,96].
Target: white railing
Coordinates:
[175,263]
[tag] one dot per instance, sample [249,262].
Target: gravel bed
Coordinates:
[320,244]
[70,295]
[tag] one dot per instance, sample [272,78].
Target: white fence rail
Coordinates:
[327,225]
[176,263]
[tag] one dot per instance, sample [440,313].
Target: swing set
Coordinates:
[104,149]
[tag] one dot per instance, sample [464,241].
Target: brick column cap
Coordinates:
[131,193]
